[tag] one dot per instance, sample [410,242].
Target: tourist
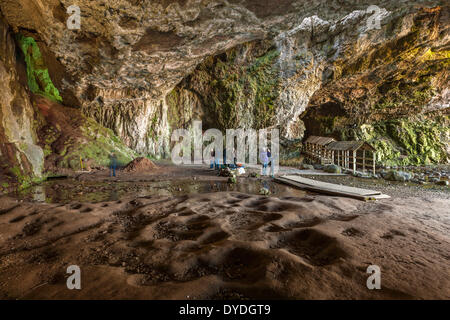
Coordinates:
[225,156]
[264,160]
[112,164]
[213,159]
[269,156]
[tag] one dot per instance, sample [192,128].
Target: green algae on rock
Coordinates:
[392,95]
[69,136]
[101,142]
[39,80]
[238,88]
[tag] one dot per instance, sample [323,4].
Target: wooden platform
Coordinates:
[331,188]
[319,173]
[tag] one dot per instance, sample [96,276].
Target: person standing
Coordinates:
[213,159]
[264,160]
[272,165]
[269,156]
[225,156]
[112,164]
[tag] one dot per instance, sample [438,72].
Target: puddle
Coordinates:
[92,192]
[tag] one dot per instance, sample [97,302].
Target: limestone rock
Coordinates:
[394,175]
[306,166]
[21,158]
[332,168]
[144,68]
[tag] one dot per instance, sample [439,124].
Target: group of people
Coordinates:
[265,157]
[215,161]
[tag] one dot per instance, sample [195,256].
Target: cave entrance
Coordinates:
[323,120]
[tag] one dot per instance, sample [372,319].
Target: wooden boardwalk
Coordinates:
[331,188]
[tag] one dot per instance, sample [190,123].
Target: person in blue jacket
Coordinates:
[112,164]
[264,160]
[213,159]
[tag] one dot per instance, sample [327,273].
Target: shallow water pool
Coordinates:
[66,191]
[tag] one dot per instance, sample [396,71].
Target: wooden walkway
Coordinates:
[331,188]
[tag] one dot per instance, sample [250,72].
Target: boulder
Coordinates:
[232,179]
[306,166]
[140,165]
[394,175]
[332,168]
[225,172]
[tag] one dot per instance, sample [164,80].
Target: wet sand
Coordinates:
[167,235]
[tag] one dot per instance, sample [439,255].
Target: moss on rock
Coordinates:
[23,181]
[407,141]
[66,135]
[238,88]
[391,95]
[39,80]
[99,144]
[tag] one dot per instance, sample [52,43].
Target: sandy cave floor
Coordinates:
[184,233]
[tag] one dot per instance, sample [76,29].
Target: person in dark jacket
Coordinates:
[112,164]
[213,159]
[225,156]
[272,169]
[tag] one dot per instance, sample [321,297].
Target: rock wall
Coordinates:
[21,159]
[143,68]
[37,133]
[393,93]
[70,139]
[235,89]
[386,86]
[139,120]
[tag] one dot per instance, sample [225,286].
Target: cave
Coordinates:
[102,161]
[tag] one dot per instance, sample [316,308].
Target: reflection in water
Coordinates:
[88,191]
[113,196]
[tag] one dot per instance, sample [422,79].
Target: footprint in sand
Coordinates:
[75,206]
[352,232]
[312,245]
[306,223]
[274,228]
[214,236]
[17,219]
[391,234]
[344,218]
